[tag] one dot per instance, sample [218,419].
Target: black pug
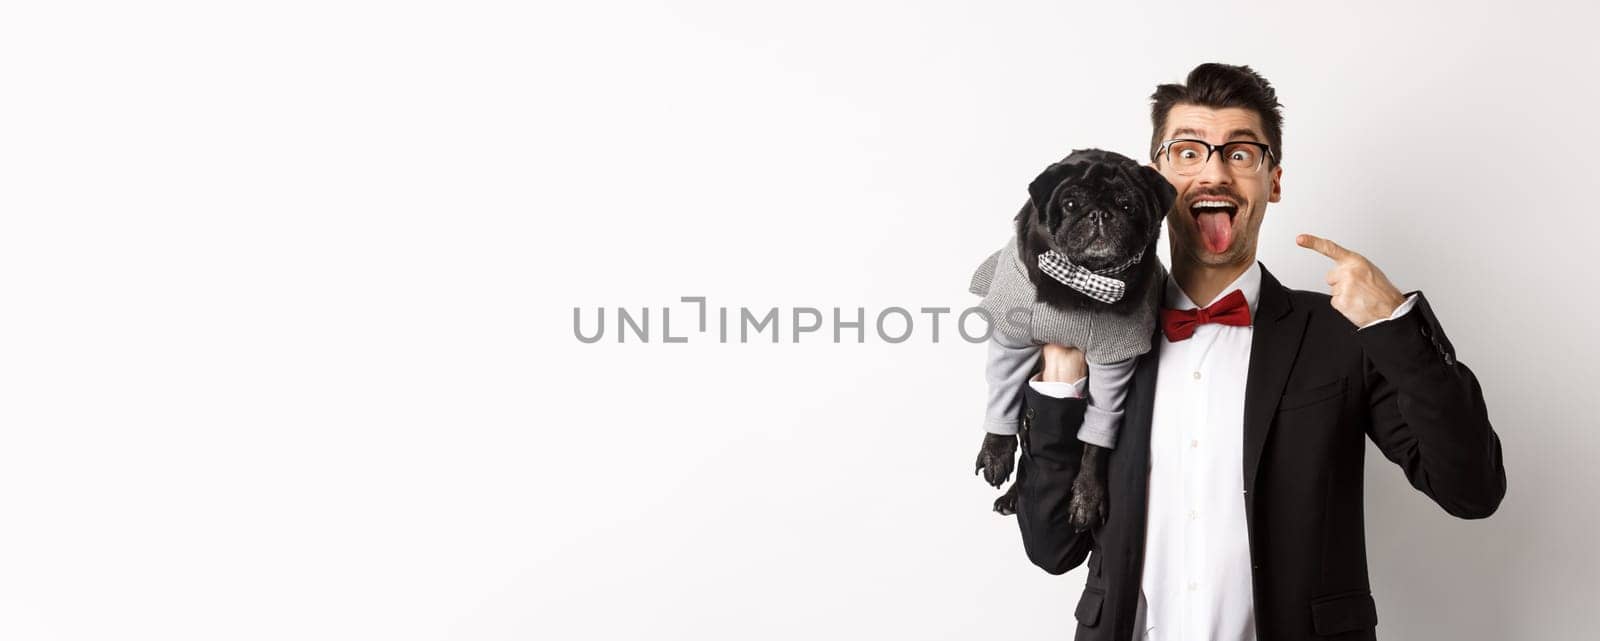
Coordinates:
[1084,256]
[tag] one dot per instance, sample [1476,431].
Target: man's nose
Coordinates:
[1214,172]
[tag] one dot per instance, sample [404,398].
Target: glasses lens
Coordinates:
[1186,156]
[1243,156]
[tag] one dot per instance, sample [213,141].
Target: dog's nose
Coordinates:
[1098,217]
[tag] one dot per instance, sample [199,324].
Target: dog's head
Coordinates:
[1100,209]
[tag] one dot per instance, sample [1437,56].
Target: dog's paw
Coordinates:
[996,458]
[1006,505]
[1088,507]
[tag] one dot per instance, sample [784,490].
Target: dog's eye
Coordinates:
[1071,203]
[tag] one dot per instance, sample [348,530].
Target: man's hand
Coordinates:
[1360,290]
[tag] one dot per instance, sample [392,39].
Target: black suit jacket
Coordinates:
[1316,389]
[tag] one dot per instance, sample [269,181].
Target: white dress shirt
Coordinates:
[1197,580]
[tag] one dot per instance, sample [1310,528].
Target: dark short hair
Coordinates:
[1217,86]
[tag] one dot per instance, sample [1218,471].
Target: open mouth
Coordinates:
[1215,218]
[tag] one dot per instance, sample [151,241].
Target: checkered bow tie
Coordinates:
[1094,285]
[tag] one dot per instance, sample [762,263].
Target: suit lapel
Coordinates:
[1140,404]
[1274,343]
[1142,399]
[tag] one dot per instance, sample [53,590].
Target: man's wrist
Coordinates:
[1400,310]
[1058,389]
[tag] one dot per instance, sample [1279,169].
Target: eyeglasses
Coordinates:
[1188,156]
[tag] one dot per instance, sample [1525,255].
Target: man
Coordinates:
[1236,490]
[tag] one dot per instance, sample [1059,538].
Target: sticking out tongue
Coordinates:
[1216,229]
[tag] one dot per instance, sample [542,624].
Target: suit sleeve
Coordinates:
[1428,414]
[1051,454]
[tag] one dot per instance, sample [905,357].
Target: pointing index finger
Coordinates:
[1322,246]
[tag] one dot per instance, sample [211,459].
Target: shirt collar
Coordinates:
[1249,282]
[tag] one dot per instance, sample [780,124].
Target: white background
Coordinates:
[286,297]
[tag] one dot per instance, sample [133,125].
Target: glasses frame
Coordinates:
[1164,151]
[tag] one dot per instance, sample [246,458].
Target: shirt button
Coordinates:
[1197,376]
[1195,443]
[1193,515]
[1193,586]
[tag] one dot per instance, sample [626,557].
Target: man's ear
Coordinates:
[1277,185]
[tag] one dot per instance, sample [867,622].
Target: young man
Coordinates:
[1236,490]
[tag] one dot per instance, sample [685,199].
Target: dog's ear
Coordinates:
[1044,186]
[1162,194]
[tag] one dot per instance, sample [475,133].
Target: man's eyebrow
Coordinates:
[1232,135]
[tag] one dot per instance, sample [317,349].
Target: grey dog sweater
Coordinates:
[1020,326]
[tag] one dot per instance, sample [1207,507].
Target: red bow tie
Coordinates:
[1179,324]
